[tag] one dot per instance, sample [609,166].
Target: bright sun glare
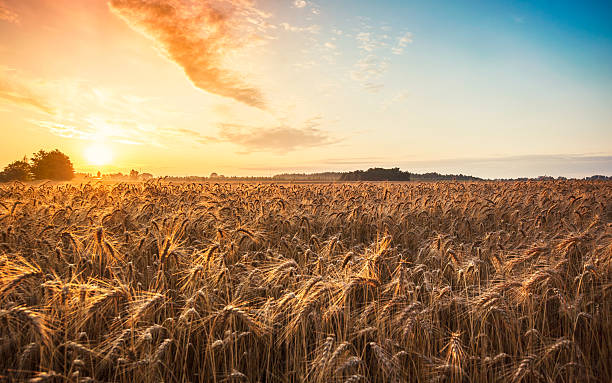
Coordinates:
[98,154]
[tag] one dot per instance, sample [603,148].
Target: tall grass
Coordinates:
[418,282]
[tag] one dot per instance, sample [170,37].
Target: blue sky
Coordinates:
[494,89]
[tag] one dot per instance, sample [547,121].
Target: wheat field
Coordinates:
[411,282]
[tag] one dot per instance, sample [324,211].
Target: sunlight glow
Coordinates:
[98,154]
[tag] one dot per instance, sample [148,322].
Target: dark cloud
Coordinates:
[197,36]
[280,139]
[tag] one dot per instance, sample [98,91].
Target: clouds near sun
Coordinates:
[246,82]
[208,40]
[22,92]
[278,139]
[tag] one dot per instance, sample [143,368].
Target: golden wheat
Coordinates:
[368,282]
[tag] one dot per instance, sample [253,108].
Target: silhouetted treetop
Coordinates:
[17,171]
[376,174]
[53,165]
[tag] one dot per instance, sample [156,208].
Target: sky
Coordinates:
[494,89]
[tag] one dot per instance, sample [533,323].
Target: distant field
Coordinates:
[385,282]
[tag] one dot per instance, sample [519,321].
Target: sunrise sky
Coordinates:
[240,87]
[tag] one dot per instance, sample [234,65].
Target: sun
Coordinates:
[98,154]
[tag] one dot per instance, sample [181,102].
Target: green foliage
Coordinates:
[376,174]
[17,171]
[53,165]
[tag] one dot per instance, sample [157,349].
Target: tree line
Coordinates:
[376,174]
[372,174]
[44,165]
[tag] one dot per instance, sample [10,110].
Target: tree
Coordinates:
[53,165]
[134,174]
[17,171]
[376,174]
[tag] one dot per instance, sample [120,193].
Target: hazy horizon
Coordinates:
[240,87]
[487,168]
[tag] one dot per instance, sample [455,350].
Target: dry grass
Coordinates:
[440,282]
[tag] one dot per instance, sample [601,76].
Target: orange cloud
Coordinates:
[197,36]
[8,15]
[21,92]
[280,139]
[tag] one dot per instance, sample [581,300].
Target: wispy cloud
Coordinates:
[126,120]
[402,43]
[66,131]
[300,3]
[370,39]
[366,41]
[376,50]
[309,5]
[396,99]
[21,91]
[279,139]
[329,45]
[78,110]
[84,112]
[198,35]
[370,67]
[373,87]
[128,132]
[95,128]
[314,29]
[6,14]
